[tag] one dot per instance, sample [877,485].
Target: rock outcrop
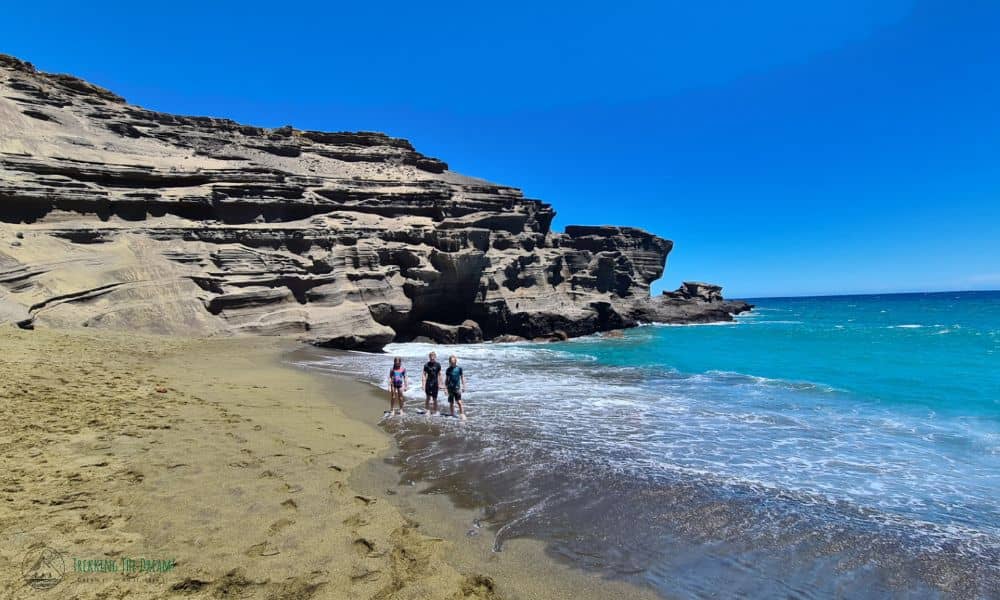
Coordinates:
[696,290]
[693,302]
[112,215]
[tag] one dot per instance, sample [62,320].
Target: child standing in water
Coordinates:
[454,378]
[431,379]
[398,383]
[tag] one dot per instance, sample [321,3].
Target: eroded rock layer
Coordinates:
[112,215]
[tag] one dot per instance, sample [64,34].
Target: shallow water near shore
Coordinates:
[818,447]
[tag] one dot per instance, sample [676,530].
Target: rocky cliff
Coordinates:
[112,215]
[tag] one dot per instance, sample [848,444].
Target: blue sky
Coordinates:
[787,148]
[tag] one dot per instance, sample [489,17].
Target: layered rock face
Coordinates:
[112,215]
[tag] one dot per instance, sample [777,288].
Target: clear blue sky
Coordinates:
[786,147]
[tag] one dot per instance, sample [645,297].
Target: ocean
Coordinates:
[814,448]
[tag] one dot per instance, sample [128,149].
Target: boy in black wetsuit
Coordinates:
[455,380]
[431,382]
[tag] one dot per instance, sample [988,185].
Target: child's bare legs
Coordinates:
[453,398]
[395,396]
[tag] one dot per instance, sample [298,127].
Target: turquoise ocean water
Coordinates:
[816,447]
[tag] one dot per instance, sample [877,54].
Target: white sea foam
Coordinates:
[726,427]
[738,321]
[776,322]
[715,324]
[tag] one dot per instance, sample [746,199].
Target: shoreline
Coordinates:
[549,471]
[150,466]
[523,570]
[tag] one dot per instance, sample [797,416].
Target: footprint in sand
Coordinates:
[190,585]
[364,547]
[290,504]
[357,520]
[363,573]
[280,525]
[133,477]
[97,521]
[262,549]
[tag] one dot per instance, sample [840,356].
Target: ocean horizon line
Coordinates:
[865,294]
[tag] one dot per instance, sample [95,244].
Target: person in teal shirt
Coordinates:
[454,379]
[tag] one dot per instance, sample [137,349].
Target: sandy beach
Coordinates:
[204,453]
[149,467]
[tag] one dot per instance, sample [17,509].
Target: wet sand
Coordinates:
[155,467]
[522,570]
